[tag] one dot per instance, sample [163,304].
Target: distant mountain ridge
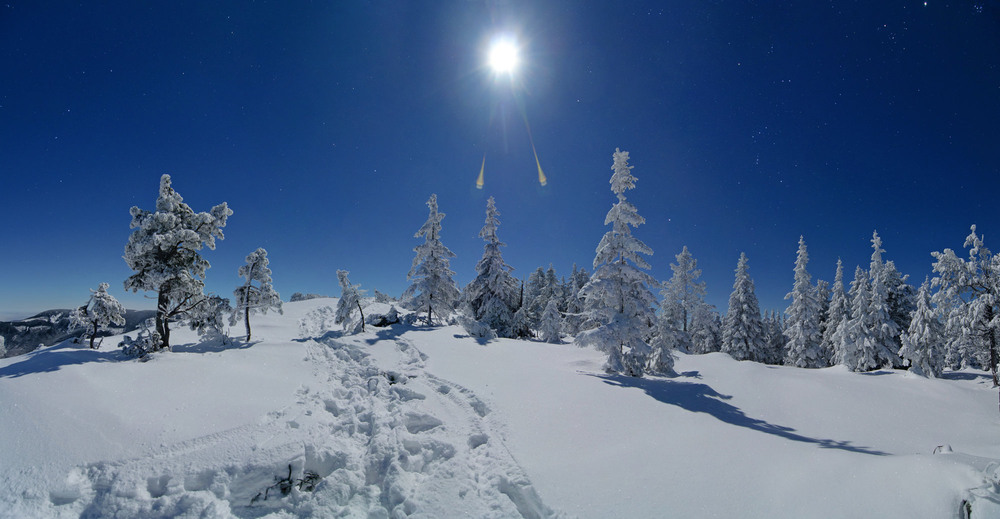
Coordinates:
[52,326]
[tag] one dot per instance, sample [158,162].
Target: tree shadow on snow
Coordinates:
[54,358]
[212,346]
[965,375]
[701,398]
[388,333]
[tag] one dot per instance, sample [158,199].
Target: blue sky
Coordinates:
[327,125]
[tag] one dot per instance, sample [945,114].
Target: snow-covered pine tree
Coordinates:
[683,293]
[743,335]
[802,322]
[350,298]
[972,286]
[575,316]
[163,252]
[902,301]
[706,329]
[432,286]
[251,298]
[774,339]
[3,347]
[839,309]
[101,310]
[880,348]
[534,299]
[822,289]
[850,336]
[551,323]
[493,294]
[618,295]
[923,339]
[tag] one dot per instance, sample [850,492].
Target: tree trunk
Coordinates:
[359,310]
[161,318]
[246,319]
[429,300]
[92,335]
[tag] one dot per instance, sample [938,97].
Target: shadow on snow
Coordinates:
[54,358]
[701,398]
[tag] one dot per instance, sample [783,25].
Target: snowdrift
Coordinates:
[401,421]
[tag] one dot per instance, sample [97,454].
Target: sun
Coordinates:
[503,58]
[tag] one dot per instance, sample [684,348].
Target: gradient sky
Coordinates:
[327,125]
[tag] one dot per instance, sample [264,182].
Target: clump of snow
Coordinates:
[406,420]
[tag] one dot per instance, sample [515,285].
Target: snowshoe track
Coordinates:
[384,440]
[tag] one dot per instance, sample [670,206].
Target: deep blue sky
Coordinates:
[326,126]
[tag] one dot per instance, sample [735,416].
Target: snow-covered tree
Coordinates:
[251,298]
[493,294]
[431,283]
[551,324]
[923,339]
[837,311]
[683,293]
[618,295]
[802,323]
[774,338]
[3,347]
[163,252]
[742,332]
[880,348]
[706,329]
[850,337]
[350,298]
[972,288]
[574,304]
[100,311]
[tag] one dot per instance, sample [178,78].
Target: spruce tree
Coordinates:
[923,339]
[493,294]
[431,283]
[880,347]
[802,323]
[683,293]
[839,308]
[972,289]
[551,323]
[618,295]
[743,333]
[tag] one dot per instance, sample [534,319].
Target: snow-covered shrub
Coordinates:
[386,319]
[147,341]
[207,318]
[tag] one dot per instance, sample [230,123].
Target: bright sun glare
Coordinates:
[503,57]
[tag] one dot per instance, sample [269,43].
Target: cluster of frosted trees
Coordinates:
[163,250]
[880,321]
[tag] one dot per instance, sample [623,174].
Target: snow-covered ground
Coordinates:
[427,422]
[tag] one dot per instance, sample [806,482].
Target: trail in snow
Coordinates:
[386,438]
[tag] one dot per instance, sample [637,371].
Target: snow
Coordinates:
[415,421]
